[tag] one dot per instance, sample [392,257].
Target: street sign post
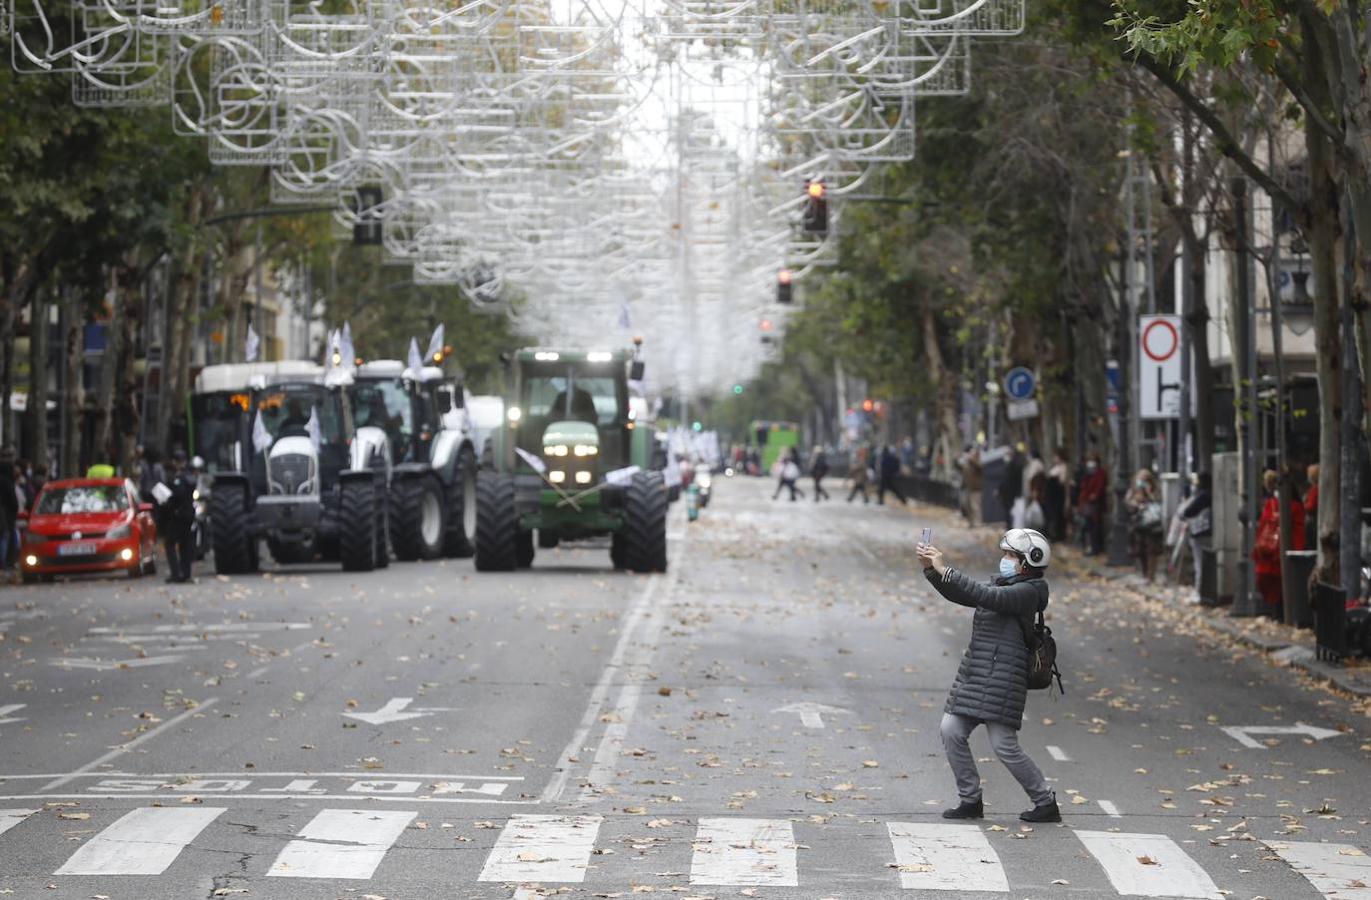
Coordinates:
[1159,367]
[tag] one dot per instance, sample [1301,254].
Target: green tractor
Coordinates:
[569,462]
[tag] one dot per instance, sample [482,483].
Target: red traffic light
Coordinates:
[816,189]
[784,276]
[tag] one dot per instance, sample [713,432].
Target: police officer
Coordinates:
[178,520]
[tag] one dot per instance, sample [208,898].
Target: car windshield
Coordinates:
[91,499]
[590,398]
[288,409]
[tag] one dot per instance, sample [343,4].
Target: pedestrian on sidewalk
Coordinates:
[1011,487]
[789,475]
[177,521]
[9,509]
[1266,548]
[973,483]
[1198,514]
[991,687]
[1090,504]
[1144,504]
[857,473]
[1055,493]
[818,468]
[889,473]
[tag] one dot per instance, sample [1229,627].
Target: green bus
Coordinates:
[772,439]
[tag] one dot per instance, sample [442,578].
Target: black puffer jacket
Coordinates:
[992,681]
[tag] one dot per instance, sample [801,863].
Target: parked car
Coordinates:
[80,525]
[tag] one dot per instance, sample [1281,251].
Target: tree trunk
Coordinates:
[947,431]
[101,449]
[38,377]
[73,397]
[127,412]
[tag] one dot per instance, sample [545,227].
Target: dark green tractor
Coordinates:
[569,462]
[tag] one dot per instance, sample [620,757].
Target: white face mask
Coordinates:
[1008,568]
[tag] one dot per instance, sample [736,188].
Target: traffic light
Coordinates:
[366,231]
[737,388]
[697,426]
[815,219]
[868,406]
[784,291]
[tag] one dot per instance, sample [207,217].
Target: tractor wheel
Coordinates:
[644,531]
[235,547]
[616,550]
[459,540]
[357,526]
[523,549]
[547,540]
[382,526]
[417,518]
[497,523]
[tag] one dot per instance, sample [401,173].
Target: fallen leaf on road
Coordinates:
[1147,861]
[79,816]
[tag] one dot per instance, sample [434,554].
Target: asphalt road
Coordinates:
[760,721]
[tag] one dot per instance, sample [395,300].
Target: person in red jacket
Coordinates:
[1266,549]
[1090,503]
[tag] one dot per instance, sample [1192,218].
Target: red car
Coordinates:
[89,525]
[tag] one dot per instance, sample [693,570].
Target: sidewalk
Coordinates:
[1284,644]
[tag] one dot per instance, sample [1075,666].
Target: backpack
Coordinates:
[1042,656]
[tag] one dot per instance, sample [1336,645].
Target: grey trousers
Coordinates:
[956,732]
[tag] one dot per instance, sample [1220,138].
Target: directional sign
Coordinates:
[6,710]
[811,714]
[1159,367]
[1019,383]
[396,709]
[1244,734]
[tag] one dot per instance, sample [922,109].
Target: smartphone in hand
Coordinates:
[927,537]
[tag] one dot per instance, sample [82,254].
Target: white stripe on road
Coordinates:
[126,747]
[543,849]
[945,858]
[1110,809]
[12,817]
[744,851]
[1057,754]
[1335,870]
[1148,865]
[341,843]
[144,841]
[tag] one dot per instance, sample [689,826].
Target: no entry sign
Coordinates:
[1159,367]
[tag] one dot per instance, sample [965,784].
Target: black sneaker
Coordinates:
[966,810]
[1048,812]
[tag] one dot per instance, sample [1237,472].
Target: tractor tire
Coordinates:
[382,526]
[548,540]
[644,531]
[460,539]
[497,523]
[418,518]
[523,549]
[357,526]
[235,547]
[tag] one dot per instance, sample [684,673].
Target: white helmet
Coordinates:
[1030,545]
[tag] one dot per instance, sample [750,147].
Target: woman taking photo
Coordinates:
[992,682]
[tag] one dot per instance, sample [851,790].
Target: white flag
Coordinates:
[624,322]
[313,430]
[415,362]
[346,349]
[261,438]
[435,346]
[330,345]
[538,465]
[251,345]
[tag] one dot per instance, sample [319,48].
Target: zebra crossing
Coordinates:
[352,844]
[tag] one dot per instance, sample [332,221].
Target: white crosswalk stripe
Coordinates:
[12,817]
[1335,870]
[142,842]
[341,843]
[744,852]
[1148,865]
[945,858]
[543,849]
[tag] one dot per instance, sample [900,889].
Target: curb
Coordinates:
[1296,652]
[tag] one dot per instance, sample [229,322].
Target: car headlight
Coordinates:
[121,531]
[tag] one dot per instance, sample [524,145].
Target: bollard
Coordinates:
[692,502]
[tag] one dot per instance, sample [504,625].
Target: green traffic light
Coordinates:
[737,388]
[698,426]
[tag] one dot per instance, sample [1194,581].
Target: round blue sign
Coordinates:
[1020,384]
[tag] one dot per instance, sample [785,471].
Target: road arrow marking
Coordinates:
[6,710]
[101,665]
[1243,734]
[811,713]
[394,711]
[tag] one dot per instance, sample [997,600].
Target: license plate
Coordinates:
[76,550]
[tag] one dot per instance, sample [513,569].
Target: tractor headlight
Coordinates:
[583,477]
[558,450]
[514,414]
[584,450]
[556,476]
